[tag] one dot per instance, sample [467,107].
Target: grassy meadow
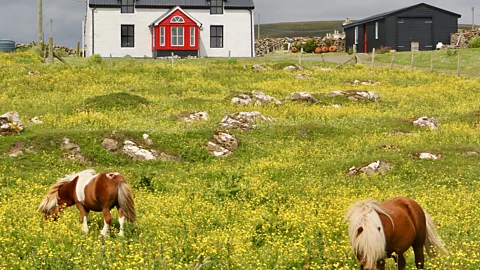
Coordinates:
[277,203]
[445,60]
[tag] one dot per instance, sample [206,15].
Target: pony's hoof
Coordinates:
[103,236]
[121,234]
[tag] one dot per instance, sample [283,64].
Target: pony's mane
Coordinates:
[370,242]
[51,198]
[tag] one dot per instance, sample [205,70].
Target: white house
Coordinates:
[155,28]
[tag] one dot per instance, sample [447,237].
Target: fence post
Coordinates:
[459,62]
[50,50]
[300,56]
[111,61]
[393,59]
[373,56]
[172,59]
[413,60]
[431,62]
[78,49]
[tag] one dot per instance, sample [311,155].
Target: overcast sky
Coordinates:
[19,18]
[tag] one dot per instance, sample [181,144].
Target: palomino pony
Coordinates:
[91,192]
[376,230]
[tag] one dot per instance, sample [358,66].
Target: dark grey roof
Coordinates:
[386,14]
[247,4]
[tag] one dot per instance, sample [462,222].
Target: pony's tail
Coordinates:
[125,200]
[433,243]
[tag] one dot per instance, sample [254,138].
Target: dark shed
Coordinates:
[397,29]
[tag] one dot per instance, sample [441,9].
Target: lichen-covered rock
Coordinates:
[377,167]
[303,76]
[222,144]
[73,151]
[136,152]
[110,145]
[256,98]
[242,99]
[195,116]
[303,96]
[356,95]
[10,123]
[427,156]
[242,120]
[218,150]
[428,122]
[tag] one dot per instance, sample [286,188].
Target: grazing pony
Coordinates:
[376,230]
[91,192]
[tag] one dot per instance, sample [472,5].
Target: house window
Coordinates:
[177,19]
[177,36]
[128,6]
[216,36]
[192,36]
[356,34]
[162,35]
[128,35]
[216,6]
[376,30]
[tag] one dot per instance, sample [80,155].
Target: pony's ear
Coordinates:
[111,175]
[359,231]
[75,178]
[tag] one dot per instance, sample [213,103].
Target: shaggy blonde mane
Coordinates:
[366,232]
[51,198]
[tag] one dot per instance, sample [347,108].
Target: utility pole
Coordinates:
[258,26]
[473,18]
[40,22]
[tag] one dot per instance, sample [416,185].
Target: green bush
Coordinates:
[308,47]
[451,52]
[474,43]
[95,59]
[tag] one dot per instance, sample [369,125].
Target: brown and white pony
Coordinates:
[376,230]
[91,192]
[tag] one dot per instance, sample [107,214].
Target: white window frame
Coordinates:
[177,19]
[356,34]
[192,36]
[178,37]
[376,30]
[162,35]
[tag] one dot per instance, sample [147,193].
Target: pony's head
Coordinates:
[366,232]
[53,204]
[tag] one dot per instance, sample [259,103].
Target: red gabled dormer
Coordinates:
[175,31]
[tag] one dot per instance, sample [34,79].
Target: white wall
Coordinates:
[237,27]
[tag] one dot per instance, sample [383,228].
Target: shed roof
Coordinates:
[393,12]
[247,4]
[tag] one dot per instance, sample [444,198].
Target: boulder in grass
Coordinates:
[73,151]
[110,145]
[10,123]
[303,96]
[376,167]
[195,116]
[427,156]
[136,152]
[242,120]
[255,98]
[428,122]
[218,150]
